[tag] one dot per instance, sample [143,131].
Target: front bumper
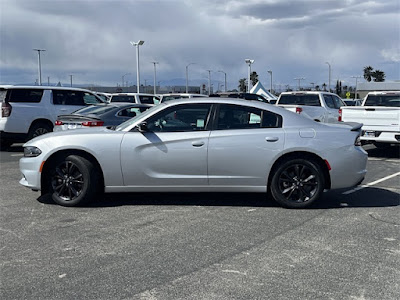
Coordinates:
[30,169]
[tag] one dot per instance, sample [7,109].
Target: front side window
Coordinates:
[180,118]
[25,95]
[61,97]
[243,117]
[329,101]
[90,99]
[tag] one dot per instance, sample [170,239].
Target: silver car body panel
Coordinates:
[236,160]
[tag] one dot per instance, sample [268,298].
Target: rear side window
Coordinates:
[243,117]
[61,97]
[300,99]
[25,95]
[383,100]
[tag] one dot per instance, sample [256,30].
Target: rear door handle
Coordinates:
[197,143]
[271,138]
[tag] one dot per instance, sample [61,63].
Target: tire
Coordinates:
[4,145]
[38,129]
[73,180]
[297,183]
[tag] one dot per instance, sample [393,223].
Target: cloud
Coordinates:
[293,38]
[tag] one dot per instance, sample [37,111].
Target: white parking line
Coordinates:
[19,154]
[370,184]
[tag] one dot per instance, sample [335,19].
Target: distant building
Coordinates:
[364,88]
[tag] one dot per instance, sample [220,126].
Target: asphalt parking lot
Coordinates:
[203,246]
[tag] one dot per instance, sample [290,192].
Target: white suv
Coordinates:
[135,98]
[29,111]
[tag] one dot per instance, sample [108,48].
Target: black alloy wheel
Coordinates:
[38,129]
[73,181]
[297,183]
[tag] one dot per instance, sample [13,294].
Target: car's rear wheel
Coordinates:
[297,183]
[73,180]
[38,129]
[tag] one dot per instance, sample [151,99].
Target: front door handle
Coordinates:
[271,138]
[197,143]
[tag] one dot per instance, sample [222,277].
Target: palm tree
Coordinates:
[368,72]
[379,76]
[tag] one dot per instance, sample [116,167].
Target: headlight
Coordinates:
[31,151]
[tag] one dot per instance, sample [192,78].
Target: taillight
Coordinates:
[6,109]
[58,123]
[357,142]
[340,115]
[298,110]
[93,123]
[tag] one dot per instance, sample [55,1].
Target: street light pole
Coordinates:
[299,78]
[123,79]
[270,73]
[70,76]
[329,83]
[225,80]
[155,76]
[209,82]
[249,62]
[137,44]
[187,77]
[356,77]
[39,65]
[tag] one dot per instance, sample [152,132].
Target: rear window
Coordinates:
[383,100]
[300,99]
[123,98]
[94,110]
[146,99]
[25,95]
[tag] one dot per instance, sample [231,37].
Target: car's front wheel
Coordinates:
[73,180]
[297,183]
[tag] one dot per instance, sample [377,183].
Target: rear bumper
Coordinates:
[380,136]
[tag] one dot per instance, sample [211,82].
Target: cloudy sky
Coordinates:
[90,39]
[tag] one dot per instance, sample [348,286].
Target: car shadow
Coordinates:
[368,197]
[383,152]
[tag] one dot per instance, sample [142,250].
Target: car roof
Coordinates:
[132,94]
[123,104]
[43,87]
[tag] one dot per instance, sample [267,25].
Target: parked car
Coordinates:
[316,105]
[380,115]
[135,98]
[169,97]
[111,114]
[29,111]
[199,145]
[105,96]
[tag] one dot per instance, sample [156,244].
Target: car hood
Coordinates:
[71,133]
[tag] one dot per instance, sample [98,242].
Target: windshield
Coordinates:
[300,99]
[128,123]
[383,100]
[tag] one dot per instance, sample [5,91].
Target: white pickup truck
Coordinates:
[319,106]
[380,115]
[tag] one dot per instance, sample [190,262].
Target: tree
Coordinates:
[242,85]
[368,73]
[379,76]
[338,87]
[254,78]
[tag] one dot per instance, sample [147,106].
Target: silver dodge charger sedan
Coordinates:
[199,145]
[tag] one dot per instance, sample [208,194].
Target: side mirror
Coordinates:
[142,127]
